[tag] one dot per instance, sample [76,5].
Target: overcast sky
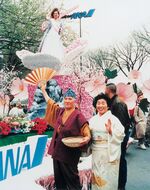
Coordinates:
[113,20]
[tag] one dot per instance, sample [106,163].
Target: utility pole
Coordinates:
[80,15]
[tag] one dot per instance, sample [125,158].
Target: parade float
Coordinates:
[24,134]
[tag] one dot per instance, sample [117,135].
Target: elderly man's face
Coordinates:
[107,91]
[69,102]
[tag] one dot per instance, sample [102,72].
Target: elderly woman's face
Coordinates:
[56,15]
[101,106]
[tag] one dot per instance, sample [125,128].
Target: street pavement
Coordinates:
[138,168]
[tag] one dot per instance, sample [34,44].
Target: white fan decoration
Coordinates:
[40,75]
[32,60]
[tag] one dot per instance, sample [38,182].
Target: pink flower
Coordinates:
[146,89]
[19,89]
[83,100]
[126,94]
[135,77]
[96,85]
[4,104]
[31,92]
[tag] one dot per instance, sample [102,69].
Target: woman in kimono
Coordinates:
[107,135]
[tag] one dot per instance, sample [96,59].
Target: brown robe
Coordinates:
[74,125]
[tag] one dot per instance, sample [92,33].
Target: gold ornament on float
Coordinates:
[40,75]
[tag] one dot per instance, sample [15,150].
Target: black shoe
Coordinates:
[146,144]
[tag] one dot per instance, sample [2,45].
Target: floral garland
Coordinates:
[40,125]
[4,128]
[10,125]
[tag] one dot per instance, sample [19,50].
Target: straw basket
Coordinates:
[72,141]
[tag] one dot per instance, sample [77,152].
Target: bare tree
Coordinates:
[81,74]
[129,56]
[102,58]
[144,39]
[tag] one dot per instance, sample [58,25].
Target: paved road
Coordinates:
[138,168]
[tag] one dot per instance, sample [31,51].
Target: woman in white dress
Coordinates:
[107,135]
[51,51]
[51,43]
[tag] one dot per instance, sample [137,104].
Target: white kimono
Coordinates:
[106,150]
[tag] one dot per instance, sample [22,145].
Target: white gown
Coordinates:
[51,50]
[51,43]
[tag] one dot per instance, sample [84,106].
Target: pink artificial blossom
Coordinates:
[135,76]
[127,94]
[96,84]
[19,89]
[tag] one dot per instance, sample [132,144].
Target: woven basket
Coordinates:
[72,141]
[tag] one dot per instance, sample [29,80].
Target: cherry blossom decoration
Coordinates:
[135,76]
[4,104]
[31,92]
[84,100]
[146,89]
[19,89]
[96,85]
[127,94]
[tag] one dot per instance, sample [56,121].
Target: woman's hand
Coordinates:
[44,26]
[108,127]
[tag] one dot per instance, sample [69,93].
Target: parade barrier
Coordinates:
[22,156]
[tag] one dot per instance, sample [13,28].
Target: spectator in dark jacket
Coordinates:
[148,128]
[120,110]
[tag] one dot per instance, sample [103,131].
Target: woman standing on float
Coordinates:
[51,43]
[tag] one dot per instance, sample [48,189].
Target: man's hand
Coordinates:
[42,85]
[85,141]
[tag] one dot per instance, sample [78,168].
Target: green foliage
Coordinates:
[20,29]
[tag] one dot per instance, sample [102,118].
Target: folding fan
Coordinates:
[39,75]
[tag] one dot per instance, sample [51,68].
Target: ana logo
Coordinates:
[25,156]
[80,14]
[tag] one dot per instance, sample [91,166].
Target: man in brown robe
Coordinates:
[67,121]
